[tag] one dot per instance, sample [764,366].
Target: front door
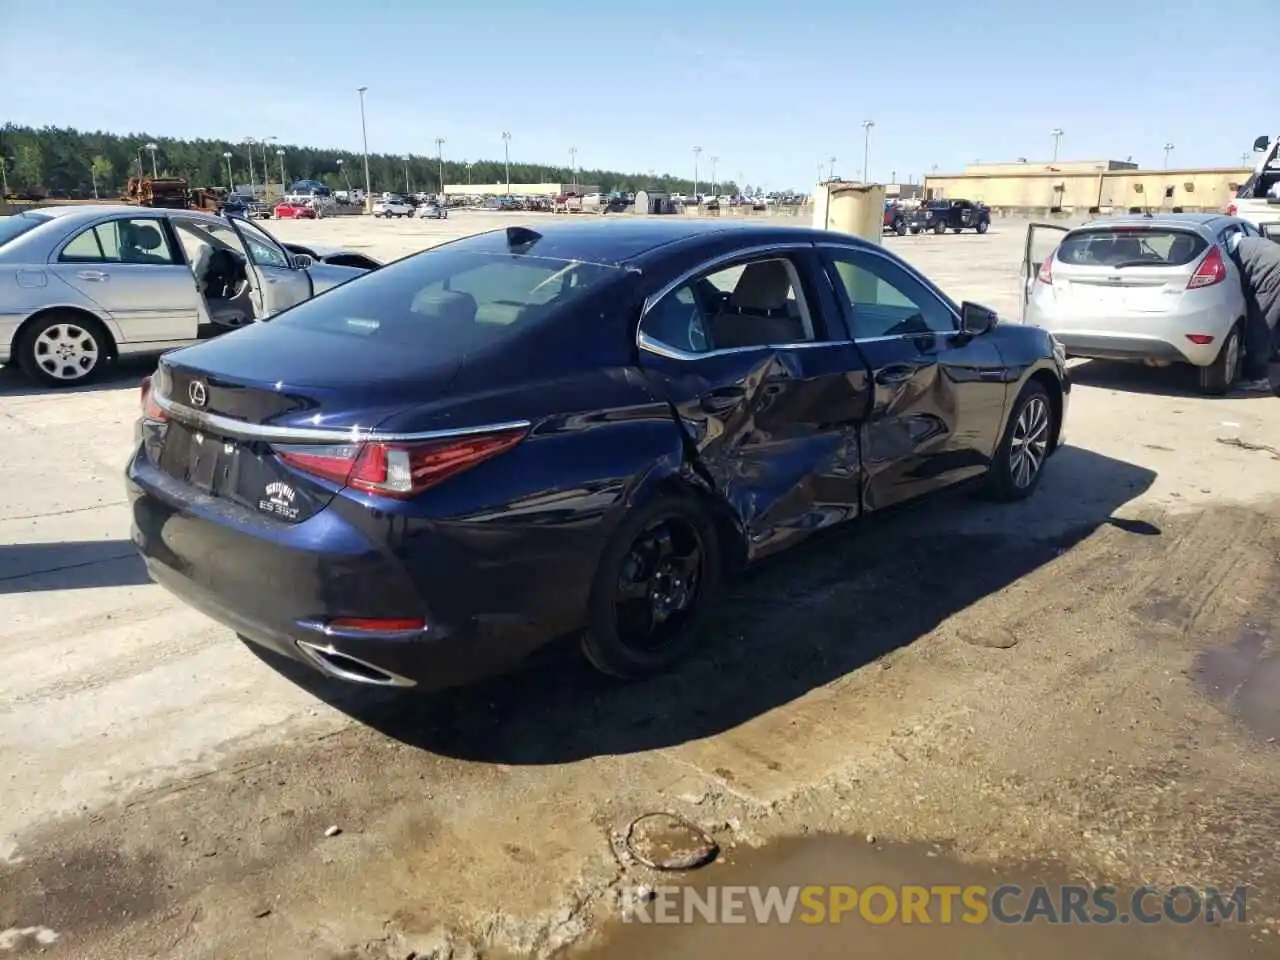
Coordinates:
[768,397]
[130,266]
[278,284]
[1042,240]
[938,395]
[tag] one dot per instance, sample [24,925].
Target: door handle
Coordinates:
[91,275]
[895,374]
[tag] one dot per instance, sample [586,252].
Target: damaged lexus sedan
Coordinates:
[420,477]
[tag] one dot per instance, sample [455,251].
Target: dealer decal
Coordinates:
[279,501]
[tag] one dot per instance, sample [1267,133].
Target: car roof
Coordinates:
[626,240]
[1157,221]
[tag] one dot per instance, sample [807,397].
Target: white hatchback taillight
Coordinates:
[1212,269]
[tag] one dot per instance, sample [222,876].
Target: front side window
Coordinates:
[121,241]
[757,303]
[883,300]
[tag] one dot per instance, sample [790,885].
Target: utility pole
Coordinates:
[364,134]
[440,161]
[832,174]
[506,153]
[1056,133]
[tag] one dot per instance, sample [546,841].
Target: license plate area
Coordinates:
[213,463]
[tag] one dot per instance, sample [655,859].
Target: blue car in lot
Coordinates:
[420,476]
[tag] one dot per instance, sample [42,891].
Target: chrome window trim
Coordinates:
[928,285]
[226,426]
[651,345]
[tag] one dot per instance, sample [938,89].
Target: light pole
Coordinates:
[573,165]
[440,162]
[866,149]
[832,174]
[266,176]
[153,148]
[253,186]
[468,165]
[231,185]
[506,153]
[364,135]
[1056,133]
[342,167]
[820,165]
[714,161]
[280,154]
[407,189]
[697,152]
[1168,149]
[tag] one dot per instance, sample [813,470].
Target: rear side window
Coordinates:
[16,226]
[1131,247]
[451,302]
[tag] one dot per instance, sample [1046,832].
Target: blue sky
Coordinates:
[772,90]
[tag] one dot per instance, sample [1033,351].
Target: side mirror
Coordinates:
[302,261]
[975,319]
[1261,144]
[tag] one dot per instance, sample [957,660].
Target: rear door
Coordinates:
[768,387]
[132,268]
[938,395]
[278,284]
[1042,240]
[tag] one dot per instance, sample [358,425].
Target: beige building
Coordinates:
[517,189]
[1082,186]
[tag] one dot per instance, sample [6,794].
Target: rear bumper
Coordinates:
[1137,336]
[279,585]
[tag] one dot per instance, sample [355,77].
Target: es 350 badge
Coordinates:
[279,501]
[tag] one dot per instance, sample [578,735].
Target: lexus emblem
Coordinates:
[199,396]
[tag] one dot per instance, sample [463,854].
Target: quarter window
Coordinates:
[756,303]
[882,300]
[121,241]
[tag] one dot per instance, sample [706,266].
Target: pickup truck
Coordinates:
[1258,199]
[939,215]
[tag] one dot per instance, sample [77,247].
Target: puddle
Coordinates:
[1244,676]
[856,864]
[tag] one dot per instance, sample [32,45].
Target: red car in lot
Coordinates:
[293,211]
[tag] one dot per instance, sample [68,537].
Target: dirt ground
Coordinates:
[1088,678]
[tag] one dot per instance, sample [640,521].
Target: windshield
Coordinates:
[17,225]
[447,303]
[1131,247]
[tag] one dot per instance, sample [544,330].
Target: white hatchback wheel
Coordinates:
[66,351]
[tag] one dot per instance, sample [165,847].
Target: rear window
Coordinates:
[449,302]
[1131,247]
[17,225]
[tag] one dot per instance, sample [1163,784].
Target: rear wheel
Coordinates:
[982,226]
[900,227]
[915,230]
[63,349]
[654,580]
[939,227]
[1019,459]
[1217,378]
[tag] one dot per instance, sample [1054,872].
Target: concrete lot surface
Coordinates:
[1088,677]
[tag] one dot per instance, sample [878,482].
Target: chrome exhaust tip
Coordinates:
[343,666]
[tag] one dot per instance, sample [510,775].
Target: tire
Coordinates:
[956,229]
[982,226]
[900,228]
[88,338]
[939,228]
[613,642]
[1032,413]
[1217,378]
[914,231]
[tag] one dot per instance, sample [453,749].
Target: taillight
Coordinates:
[1046,270]
[1212,269]
[150,409]
[1232,209]
[397,469]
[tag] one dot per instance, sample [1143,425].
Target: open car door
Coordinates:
[1042,240]
[278,282]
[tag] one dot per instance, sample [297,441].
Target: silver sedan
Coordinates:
[1156,289]
[83,285]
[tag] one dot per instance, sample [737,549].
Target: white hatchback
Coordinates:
[1156,289]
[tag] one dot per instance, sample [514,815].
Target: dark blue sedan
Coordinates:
[420,476]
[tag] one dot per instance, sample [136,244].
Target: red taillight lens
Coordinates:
[377,625]
[1212,269]
[1200,339]
[398,469]
[1046,270]
[1232,209]
[150,409]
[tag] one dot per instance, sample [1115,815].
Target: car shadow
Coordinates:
[69,565]
[1178,380]
[128,372]
[786,627]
